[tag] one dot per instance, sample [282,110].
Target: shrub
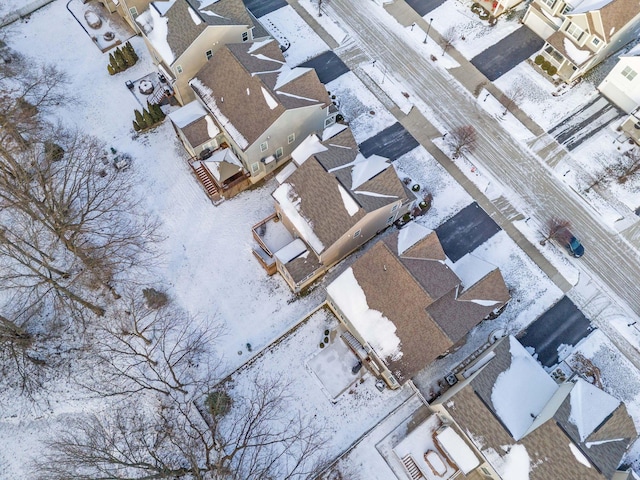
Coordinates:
[552,70]
[339,118]
[155,299]
[475,7]
[136,127]
[538,60]
[140,119]
[415,187]
[545,65]
[218,403]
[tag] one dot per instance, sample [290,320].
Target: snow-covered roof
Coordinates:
[188,114]
[291,251]
[516,464]
[521,392]
[332,131]
[364,168]
[471,269]
[350,204]
[283,174]
[289,202]
[410,235]
[307,148]
[590,406]
[155,28]
[376,329]
[457,449]
[575,54]
[584,6]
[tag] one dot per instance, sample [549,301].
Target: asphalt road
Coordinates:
[562,324]
[328,66]
[466,231]
[610,261]
[391,143]
[262,7]
[513,49]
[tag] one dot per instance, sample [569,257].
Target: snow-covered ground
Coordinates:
[207,265]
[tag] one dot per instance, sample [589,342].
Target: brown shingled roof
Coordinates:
[197,132]
[617,14]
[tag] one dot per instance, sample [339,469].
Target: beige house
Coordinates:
[580,34]
[127,9]
[331,200]
[526,425]
[183,35]
[404,303]
[263,107]
[622,87]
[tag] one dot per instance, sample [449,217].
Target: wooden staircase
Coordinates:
[201,172]
[412,468]
[161,92]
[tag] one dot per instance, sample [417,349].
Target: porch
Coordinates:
[631,127]
[220,173]
[271,235]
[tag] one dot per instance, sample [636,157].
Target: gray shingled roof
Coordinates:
[234,85]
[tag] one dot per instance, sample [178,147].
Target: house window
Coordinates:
[133,11]
[279,152]
[329,121]
[390,220]
[209,54]
[264,146]
[575,31]
[566,9]
[255,167]
[629,73]
[291,138]
[595,41]
[395,207]
[357,233]
[179,69]
[245,36]
[549,3]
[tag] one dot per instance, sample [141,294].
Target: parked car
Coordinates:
[575,247]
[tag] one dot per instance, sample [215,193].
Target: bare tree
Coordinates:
[163,350]
[463,140]
[254,440]
[628,165]
[512,97]
[448,38]
[556,229]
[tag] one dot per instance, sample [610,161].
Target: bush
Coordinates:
[545,65]
[552,70]
[475,8]
[121,59]
[538,60]
[339,118]
[415,187]
[218,403]
[154,298]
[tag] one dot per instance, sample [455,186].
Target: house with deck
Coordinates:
[403,303]
[622,87]
[263,107]
[579,34]
[127,9]
[331,200]
[523,424]
[183,35]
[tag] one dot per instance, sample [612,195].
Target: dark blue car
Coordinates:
[575,247]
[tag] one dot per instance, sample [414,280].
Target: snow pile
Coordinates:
[579,456]
[377,330]
[521,392]
[289,201]
[578,56]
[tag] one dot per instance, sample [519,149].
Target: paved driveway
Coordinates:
[391,143]
[424,6]
[260,8]
[507,53]
[466,231]
[328,66]
[562,324]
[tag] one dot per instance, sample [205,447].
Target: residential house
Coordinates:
[622,87]
[579,34]
[528,426]
[404,303]
[128,9]
[183,35]
[264,108]
[331,200]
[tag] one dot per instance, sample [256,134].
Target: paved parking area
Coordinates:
[260,8]
[516,47]
[328,66]
[391,143]
[563,324]
[465,231]
[424,6]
